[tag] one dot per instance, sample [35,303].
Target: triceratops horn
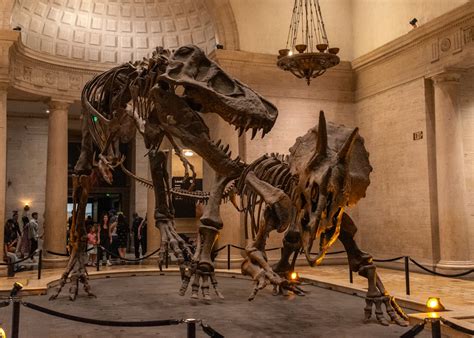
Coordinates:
[321,141]
[346,147]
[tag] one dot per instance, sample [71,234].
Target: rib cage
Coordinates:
[273,169]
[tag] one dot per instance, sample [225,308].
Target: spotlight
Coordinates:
[413,22]
[16,288]
[188,153]
[219,46]
[18,29]
[294,276]
[433,304]
[26,207]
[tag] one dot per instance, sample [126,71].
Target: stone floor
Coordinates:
[456,294]
[321,313]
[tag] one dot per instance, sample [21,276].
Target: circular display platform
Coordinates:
[321,313]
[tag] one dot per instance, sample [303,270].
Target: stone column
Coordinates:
[453,225]
[55,218]
[3,162]
[7,38]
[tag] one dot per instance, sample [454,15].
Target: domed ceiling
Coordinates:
[112,31]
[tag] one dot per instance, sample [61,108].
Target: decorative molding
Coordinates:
[56,104]
[46,79]
[445,42]
[447,76]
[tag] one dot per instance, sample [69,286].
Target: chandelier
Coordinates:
[307,54]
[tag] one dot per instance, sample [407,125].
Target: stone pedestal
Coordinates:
[55,218]
[453,225]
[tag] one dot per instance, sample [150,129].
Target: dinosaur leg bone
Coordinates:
[170,239]
[78,241]
[362,263]
[277,216]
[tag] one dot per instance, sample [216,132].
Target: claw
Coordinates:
[391,307]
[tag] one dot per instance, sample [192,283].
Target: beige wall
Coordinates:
[397,205]
[26,164]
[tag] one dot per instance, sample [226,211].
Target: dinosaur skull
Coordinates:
[209,89]
[331,177]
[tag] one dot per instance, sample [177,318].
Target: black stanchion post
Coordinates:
[351,278]
[228,256]
[436,328]
[407,275]
[16,319]
[16,309]
[40,263]
[191,324]
[166,258]
[99,258]
[10,268]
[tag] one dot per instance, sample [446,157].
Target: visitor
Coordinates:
[104,240]
[33,233]
[137,222]
[122,232]
[142,235]
[25,243]
[92,245]
[113,235]
[10,241]
[16,226]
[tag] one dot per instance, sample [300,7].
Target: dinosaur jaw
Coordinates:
[209,89]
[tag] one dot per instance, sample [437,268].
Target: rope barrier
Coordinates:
[128,259]
[21,260]
[57,253]
[4,303]
[456,326]
[388,259]
[439,273]
[149,323]
[220,249]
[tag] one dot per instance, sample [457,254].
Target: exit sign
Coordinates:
[418,135]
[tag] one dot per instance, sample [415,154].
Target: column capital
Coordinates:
[447,76]
[55,104]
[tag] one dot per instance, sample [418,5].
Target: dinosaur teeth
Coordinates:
[263,133]
[237,159]
[234,119]
[241,131]
[254,132]
[230,154]
[226,148]
[218,142]
[247,125]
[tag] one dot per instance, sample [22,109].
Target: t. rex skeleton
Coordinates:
[163,96]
